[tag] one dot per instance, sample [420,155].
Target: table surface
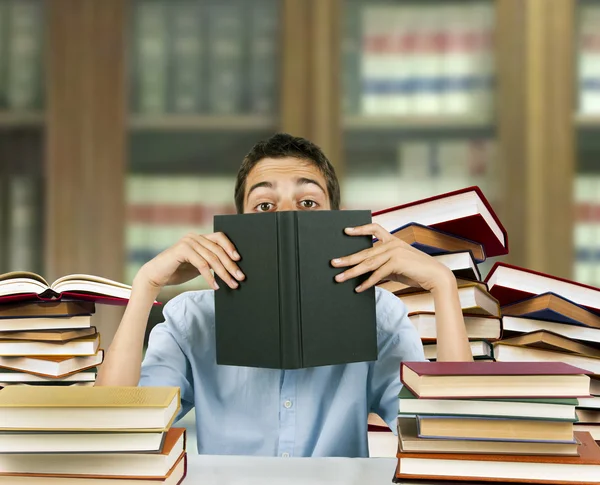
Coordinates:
[246,470]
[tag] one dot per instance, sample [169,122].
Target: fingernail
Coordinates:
[349,229]
[215,285]
[239,275]
[236,255]
[234,283]
[337,261]
[340,277]
[357,288]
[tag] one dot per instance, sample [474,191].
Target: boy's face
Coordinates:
[284,184]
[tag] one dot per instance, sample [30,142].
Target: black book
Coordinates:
[289,312]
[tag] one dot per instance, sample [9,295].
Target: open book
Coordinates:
[22,285]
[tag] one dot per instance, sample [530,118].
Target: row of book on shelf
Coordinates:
[410,58]
[21,41]
[589,58]
[528,407]
[205,56]
[587,228]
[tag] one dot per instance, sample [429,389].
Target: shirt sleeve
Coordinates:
[398,341]
[166,362]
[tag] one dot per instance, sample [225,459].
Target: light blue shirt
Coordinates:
[320,411]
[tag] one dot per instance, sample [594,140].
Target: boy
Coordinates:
[319,411]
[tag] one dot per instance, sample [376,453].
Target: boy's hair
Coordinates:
[282,145]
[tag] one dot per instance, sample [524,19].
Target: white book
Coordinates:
[585,231]
[374,61]
[24,54]
[528,325]
[81,346]
[52,366]
[589,59]
[458,67]
[401,59]
[479,349]
[151,56]
[26,378]
[428,65]
[477,327]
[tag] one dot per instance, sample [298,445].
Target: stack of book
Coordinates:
[481,421]
[91,435]
[46,332]
[460,237]
[546,319]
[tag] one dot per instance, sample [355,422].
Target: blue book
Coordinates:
[552,308]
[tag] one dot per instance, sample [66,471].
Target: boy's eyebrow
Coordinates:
[266,184]
[305,181]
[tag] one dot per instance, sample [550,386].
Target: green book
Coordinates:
[550,409]
[289,312]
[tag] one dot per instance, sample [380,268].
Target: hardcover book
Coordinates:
[290,312]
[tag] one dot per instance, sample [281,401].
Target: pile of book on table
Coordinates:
[550,319]
[460,230]
[46,332]
[91,435]
[486,421]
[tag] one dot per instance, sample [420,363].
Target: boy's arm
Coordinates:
[191,257]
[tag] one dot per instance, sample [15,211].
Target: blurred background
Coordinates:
[123,122]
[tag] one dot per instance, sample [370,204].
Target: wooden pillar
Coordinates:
[535,130]
[85,138]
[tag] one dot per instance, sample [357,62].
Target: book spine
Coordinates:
[589,60]
[22,224]
[226,49]
[150,76]
[263,57]
[351,58]
[24,55]
[584,229]
[289,292]
[187,49]
[401,59]
[596,219]
[429,67]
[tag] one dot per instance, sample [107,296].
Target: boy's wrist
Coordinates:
[445,283]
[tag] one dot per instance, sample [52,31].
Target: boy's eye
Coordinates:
[264,206]
[308,204]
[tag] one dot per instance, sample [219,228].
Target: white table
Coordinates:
[243,470]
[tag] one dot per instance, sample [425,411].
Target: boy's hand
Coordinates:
[392,259]
[192,256]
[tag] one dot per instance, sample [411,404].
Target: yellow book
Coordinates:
[88,408]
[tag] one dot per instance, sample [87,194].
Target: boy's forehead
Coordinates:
[269,168]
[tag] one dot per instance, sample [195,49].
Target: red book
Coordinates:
[574,470]
[510,284]
[490,380]
[465,213]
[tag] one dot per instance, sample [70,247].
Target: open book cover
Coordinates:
[22,285]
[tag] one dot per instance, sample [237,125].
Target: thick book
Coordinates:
[79,442]
[510,284]
[552,308]
[495,429]
[513,353]
[409,442]
[45,323]
[52,366]
[464,213]
[480,350]
[99,464]
[433,241]
[289,312]
[551,341]
[519,325]
[22,285]
[174,476]
[448,380]
[49,335]
[589,402]
[81,346]
[556,409]
[88,408]
[8,376]
[552,470]
[56,308]
[398,288]
[478,326]
[472,300]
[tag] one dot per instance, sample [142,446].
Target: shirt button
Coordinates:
[285,455]
[287,404]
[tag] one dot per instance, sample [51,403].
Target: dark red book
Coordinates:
[489,380]
[510,284]
[465,213]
